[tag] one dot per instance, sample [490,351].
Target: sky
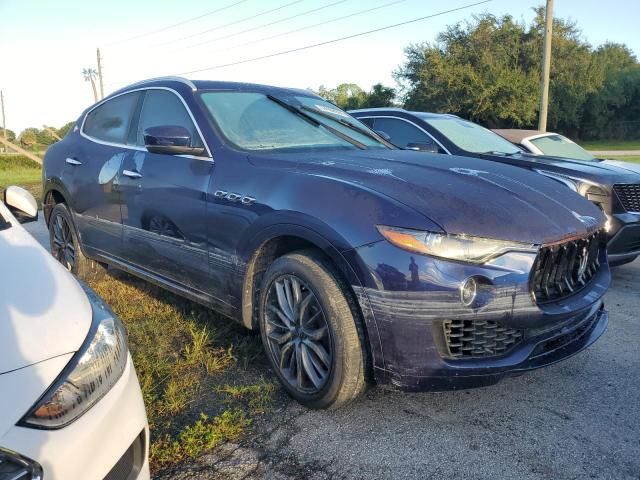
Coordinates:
[45,44]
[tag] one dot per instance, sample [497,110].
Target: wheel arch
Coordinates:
[54,192]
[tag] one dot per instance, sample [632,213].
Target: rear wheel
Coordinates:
[310,333]
[65,246]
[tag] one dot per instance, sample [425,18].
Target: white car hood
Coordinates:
[44,313]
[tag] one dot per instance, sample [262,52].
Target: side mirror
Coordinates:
[384,135]
[21,204]
[423,147]
[170,140]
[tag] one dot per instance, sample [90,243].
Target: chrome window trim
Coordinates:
[411,123]
[186,81]
[208,158]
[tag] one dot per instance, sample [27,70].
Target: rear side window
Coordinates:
[401,132]
[162,108]
[110,122]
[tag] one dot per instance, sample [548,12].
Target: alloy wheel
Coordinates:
[62,247]
[298,334]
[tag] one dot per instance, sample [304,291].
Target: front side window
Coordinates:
[559,146]
[253,121]
[402,133]
[110,121]
[164,108]
[470,136]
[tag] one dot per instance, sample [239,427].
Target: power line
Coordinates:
[307,12]
[335,40]
[343,17]
[153,32]
[197,34]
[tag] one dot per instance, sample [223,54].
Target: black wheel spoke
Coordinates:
[298,334]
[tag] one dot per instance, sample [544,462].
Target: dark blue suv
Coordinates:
[357,261]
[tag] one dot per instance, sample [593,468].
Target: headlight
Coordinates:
[586,188]
[90,374]
[463,248]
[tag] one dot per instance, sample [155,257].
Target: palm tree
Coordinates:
[90,76]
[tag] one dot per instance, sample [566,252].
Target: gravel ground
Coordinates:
[577,419]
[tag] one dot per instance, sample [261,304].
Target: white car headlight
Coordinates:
[462,248]
[90,374]
[580,185]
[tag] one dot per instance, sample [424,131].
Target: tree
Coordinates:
[379,96]
[350,96]
[11,135]
[90,76]
[29,137]
[62,131]
[488,70]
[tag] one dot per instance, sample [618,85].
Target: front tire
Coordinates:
[65,245]
[310,331]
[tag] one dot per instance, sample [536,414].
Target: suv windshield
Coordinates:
[254,121]
[470,136]
[559,146]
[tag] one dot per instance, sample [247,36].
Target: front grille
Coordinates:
[563,269]
[478,338]
[16,467]
[629,195]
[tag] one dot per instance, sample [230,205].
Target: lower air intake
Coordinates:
[478,338]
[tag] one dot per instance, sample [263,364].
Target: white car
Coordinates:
[556,145]
[70,403]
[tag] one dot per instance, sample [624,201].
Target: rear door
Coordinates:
[164,199]
[92,173]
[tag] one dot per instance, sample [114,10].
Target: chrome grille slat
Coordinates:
[562,270]
[629,195]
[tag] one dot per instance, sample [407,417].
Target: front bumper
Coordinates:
[110,441]
[410,303]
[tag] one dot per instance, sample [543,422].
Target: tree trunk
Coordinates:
[95,92]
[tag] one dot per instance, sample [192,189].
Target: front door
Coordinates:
[164,200]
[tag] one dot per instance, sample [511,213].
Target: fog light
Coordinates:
[469,292]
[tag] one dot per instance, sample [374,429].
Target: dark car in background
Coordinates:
[615,189]
[354,259]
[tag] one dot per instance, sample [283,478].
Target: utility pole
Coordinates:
[4,125]
[100,74]
[546,67]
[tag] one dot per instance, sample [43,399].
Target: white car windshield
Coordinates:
[559,146]
[470,136]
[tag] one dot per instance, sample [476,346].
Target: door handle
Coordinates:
[131,174]
[73,161]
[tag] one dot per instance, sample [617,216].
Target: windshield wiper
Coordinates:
[496,152]
[348,124]
[301,113]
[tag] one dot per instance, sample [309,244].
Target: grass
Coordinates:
[625,158]
[203,377]
[21,171]
[611,145]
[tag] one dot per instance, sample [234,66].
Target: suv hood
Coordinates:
[44,313]
[604,173]
[463,195]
